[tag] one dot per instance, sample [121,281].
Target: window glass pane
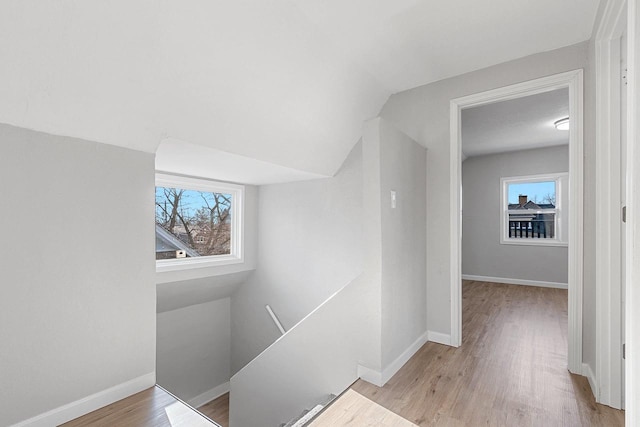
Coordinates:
[192,223]
[530,197]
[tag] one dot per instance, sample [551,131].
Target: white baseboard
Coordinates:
[439,338]
[370,375]
[588,372]
[209,395]
[516,281]
[380,378]
[399,362]
[90,403]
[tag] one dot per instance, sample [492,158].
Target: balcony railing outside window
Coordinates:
[542,226]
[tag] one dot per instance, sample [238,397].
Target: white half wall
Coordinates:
[309,245]
[482,252]
[317,357]
[77,301]
[194,349]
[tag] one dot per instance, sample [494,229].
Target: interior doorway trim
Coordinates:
[608,375]
[632,322]
[573,80]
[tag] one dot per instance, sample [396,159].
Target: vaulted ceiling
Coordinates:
[288,82]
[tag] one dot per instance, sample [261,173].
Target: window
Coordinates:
[533,210]
[198,222]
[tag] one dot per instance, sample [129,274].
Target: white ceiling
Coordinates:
[408,43]
[518,124]
[190,159]
[288,82]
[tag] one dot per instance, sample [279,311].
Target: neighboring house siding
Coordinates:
[482,253]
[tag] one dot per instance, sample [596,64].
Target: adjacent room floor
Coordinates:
[511,369]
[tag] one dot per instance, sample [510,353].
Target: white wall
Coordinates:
[194,348]
[373,323]
[316,358]
[482,253]
[402,169]
[423,114]
[77,300]
[309,246]
[185,301]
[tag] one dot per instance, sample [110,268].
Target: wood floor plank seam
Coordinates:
[511,369]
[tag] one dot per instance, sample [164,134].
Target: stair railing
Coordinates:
[275,319]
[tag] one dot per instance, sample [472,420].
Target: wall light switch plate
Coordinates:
[393,199]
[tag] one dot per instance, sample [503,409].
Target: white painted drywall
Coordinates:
[179,157]
[194,348]
[77,300]
[423,114]
[318,357]
[175,295]
[482,253]
[403,170]
[257,79]
[309,246]
[375,319]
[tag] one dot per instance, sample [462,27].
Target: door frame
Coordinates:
[608,376]
[573,80]
[632,320]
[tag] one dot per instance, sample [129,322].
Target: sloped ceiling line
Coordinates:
[281,81]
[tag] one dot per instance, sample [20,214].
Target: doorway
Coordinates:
[573,82]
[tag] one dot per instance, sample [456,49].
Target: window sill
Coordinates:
[534,242]
[201,270]
[193,263]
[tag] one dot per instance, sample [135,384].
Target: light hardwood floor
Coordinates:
[354,410]
[217,410]
[150,408]
[509,371]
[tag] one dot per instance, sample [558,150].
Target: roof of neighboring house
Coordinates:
[531,205]
[166,241]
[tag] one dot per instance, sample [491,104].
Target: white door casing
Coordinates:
[632,291]
[609,275]
[573,80]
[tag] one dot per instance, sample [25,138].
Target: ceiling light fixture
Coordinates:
[562,124]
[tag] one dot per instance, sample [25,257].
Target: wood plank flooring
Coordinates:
[150,408]
[509,371]
[217,410]
[353,409]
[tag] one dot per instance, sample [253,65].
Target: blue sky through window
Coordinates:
[190,202]
[538,192]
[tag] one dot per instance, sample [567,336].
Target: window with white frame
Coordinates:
[198,222]
[534,210]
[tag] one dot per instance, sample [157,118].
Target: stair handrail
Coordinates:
[275,319]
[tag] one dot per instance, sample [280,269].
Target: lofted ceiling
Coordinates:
[517,124]
[287,82]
